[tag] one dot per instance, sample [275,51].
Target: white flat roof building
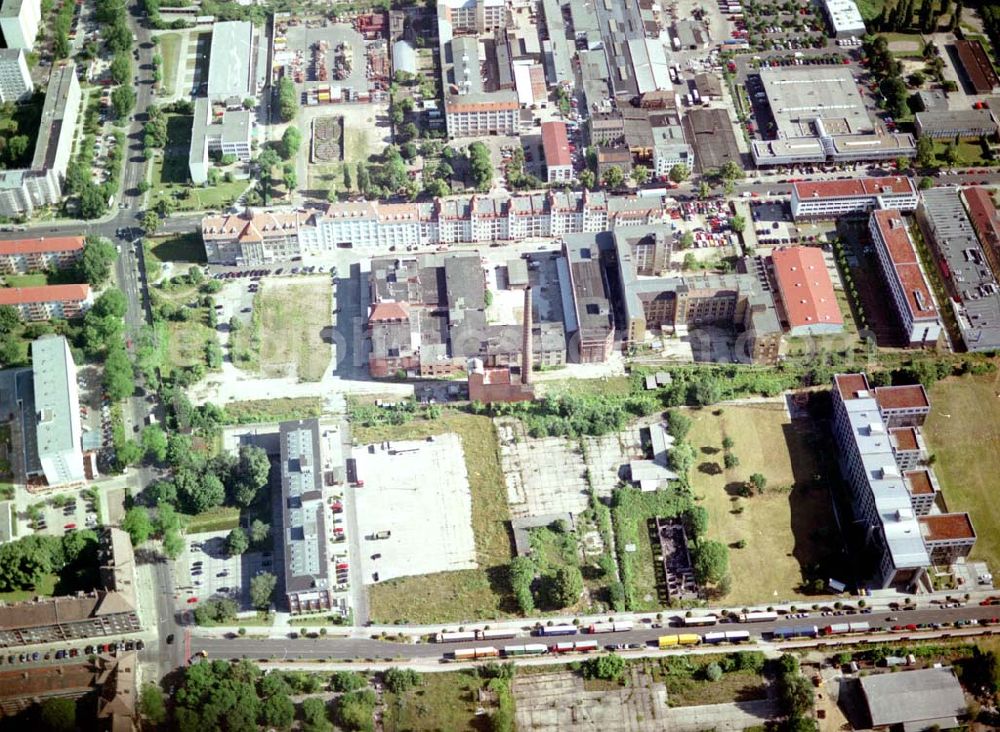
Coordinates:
[57,411]
[19,21]
[230,62]
[845,19]
[15,78]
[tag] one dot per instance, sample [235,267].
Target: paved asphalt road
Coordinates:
[352,648]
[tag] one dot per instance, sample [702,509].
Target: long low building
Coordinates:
[828,199]
[48,301]
[20,256]
[256,237]
[978,67]
[911,294]
[964,123]
[973,287]
[806,291]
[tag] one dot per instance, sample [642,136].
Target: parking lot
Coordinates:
[426,524]
[204,571]
[64,512]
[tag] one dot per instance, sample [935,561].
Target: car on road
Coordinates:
[170,639]
[69,527]
[192,600]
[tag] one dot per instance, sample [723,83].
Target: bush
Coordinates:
[345,681]
[610,667]
[399,680]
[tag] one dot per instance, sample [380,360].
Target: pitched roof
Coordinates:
[856,187]
[903,258]
[805,287]
[45,293]
[555,143]
[913,696]
[389,311]
[41,245]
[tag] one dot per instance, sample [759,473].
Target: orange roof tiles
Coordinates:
[946,526]
[555,143]
[383,311]
[977,65]
[850,384]
[805,287]
[904,260]
[901,397]
[46,293]
[42,245]
[856,187]
[984,216]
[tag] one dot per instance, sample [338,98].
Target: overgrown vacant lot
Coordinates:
[293,316]
[785,529]
[963,432]
[464,594]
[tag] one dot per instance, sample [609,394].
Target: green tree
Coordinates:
[58,715]
[152,705]
[354,711]
[640,174]
[925,183]
[138,524]
[173,544]
[795,694]
[277,711]
[759,482]
[925,151]
[737,223]
[400,680]
[481,166]
[291,140]
[731,170]
[288,100]
[613,177]
[121,68]
[713,672]
[314,716]
[98,256]
[565,586]
[150,221]
[696,522]
[710,562]
[345,681]
[123,101]
[259,531]
[119,379]
[111,303]
[704,191]
[587,179]
[154,442]
[610,667]
[681,458]
[262,589]
[522,574]
[678,424]
[237,542]
[9,318]
[679,173]
[128,452]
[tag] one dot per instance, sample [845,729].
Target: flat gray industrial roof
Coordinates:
[50,363]
[303,516]
[927,696]
[800,95]
[53,113]
[231,59]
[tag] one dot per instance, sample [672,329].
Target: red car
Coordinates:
[192,600]
[69,526]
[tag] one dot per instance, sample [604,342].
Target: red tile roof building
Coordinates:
[978,67]
[555,144]
[18,256]
[805,291]
[827,199]
[48,301]
[985,222]
[911,294]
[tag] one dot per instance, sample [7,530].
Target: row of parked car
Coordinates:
[62,653]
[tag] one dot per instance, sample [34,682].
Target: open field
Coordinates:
[464,594]
[786,529]
[963,433]
[608,386]
[188,339]
[445,701]
[170,48]
[292,318]
[273,410]
[687,685]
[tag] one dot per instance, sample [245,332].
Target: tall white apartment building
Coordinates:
[19,21]
[15,78]
[57,411]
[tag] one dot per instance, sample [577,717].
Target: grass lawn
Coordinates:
[220,518]
[464,594]
[783,529]
[870,9]
[963,432]
[273,410]
[441,701]
[45,587]
[292,318]
[177,248]
[187,338]
[169,49]
[609,386]
[970,152]
[26,280]
[687,685]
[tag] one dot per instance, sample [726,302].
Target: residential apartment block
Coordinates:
[19,21]
[58,432]
[829,199]
[254,237]
[23,190]
[111,610]
[911,294]
[20,256]
[893,507]
[305,524]
[555,146]
[15,77]
[48,301]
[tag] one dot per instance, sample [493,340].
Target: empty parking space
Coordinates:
[416,495]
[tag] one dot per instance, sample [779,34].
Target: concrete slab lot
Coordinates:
[549,475]
[419,491]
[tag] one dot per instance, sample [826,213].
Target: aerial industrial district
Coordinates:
[499,365]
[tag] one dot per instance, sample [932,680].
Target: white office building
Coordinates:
[19,21]
[845,19]
[828,199]
[57,411]
[231,66]
[228,133]
[15,77]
